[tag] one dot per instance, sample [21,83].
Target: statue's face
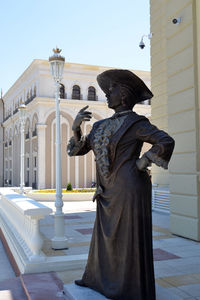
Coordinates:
[114,97]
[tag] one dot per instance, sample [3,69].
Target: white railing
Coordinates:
[19,219]
[160,200]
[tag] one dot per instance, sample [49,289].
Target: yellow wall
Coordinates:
[175,81]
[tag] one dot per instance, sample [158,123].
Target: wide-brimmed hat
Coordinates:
[124,77]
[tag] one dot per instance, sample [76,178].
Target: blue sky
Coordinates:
[97,32]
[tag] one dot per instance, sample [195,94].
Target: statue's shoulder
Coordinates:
[97,123]
[136,118]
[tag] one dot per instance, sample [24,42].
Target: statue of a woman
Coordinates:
[120,261]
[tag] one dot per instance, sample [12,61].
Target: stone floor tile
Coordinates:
[85,230]
[179,292]
[187,261]
[166,294]
[6,270]
[69,276]
[196,275]
[42,286]
[160,254]
[192,298]
[11,289]
[182,280]
[166,271]
[156,233]
[77,250]
[189,268]
[163,283]
[192,289]
[161,218]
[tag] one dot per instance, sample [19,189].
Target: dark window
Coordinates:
[35,161]
[35,176]
[76,92]
[91,93]
[15,111]
[27,176]
[34,133]
[27,183]
[27,162]
[62,91]
[27,135]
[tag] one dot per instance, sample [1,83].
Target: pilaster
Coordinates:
[41,155]
[179,59]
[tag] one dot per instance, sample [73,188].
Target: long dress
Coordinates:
[120,261]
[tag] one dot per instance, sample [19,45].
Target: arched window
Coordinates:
[62,91]
[31,94]
[91,93]
[27,97]
[34,125]
[34,91]
[76,92]
[27,129]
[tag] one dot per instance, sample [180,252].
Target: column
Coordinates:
[41,154]
[178,59]
[2,155]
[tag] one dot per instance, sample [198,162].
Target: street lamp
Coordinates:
[59,241]
[22,119]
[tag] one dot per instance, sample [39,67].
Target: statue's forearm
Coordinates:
[77,134]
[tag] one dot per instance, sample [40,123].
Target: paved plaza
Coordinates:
[176,260]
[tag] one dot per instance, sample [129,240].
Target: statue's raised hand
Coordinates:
[83,115]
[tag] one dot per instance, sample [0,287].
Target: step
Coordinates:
[41,286]
[74,292]
[11,289]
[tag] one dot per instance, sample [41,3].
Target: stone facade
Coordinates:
[175,61]
[36,88]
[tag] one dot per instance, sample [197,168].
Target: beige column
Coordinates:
[1,151]
[176,59]
[76,171]
[41,155]
[183,107]
[159,80]
[30,159]
[12,158]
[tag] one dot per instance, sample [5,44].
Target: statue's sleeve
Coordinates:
[78,148]
[163,145]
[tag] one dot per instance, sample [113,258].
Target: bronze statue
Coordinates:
[120,261]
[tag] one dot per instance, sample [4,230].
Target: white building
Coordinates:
[36,88]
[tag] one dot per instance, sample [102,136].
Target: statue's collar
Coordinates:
[121,113]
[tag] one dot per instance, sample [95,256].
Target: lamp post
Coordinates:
[59,241]
[22,118]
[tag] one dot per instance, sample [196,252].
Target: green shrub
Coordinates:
[69,187]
